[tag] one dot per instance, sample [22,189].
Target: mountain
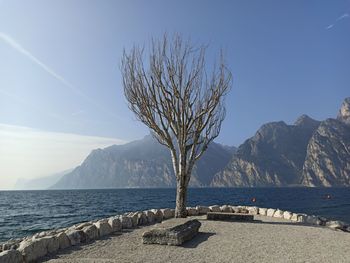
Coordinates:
[39,183]
[328,153]
[274,156]
[308,153]
[143,163]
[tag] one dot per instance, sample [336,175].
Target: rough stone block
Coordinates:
[287,215]
[253,210]
[192,211]
[278,213]
[32,250]
[229,216]
[270,212]
[294,217]
[150,217]
[82,225]
[104,229]
[141,219]
[63,240]
[263,211]
[203,210]
[126,222]
[172,236]
[226,209]
[167,213]
[76,236]
[214,208]
[336,225]
[91,232]
[312,220]
[158,215]
[52,244]
[11,256]
[115,224]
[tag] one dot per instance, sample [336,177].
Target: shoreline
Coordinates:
[33,248]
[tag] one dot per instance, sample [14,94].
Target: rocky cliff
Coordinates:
[327,161]
[274,156]
[144,163]
[308,153]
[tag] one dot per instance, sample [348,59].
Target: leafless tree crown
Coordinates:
[171,92]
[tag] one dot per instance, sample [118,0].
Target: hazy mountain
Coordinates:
[142,163]
[39,183]
[308,153]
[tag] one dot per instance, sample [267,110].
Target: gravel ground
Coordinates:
[267,240]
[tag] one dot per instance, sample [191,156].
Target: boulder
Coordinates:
[337,225]
[302,218]
[241,210]
[142,219]
[278,213]
[126,222]
[214,208]
[158,215]
[168,213]
[82,225]
[11,244]
[172,236]
[104,229]
[253,210]
[63,240]
[294,217]
[11,256]
[321,221]
[134,219]
[150,217]
[91,232]
[76,236]
[52,244]
[115,224]
[32,250]
[270,212]
[192,211]
[311,219]
[263,211]
[226,209]
[202,210]
[287,215]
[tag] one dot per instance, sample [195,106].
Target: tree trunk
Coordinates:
[181,196]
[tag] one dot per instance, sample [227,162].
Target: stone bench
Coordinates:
[229,216]
[174,236]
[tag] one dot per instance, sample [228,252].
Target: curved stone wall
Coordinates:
[32,248]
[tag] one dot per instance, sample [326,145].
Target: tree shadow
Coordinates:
[199,238]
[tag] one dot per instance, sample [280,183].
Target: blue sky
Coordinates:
[59,60]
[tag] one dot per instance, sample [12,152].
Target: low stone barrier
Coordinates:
[32,248]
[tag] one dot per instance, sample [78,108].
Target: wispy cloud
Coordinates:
[18,47]
[343,16]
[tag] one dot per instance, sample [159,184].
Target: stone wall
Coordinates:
[32,248]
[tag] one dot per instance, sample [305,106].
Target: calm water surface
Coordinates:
[24,213]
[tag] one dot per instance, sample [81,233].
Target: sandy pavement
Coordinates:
[269,240]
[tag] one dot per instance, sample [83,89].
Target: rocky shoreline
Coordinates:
[32,248]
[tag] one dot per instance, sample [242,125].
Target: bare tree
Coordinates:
[171,92]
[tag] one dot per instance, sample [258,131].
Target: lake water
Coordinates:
[24,213]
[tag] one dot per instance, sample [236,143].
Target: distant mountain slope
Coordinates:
[308,153]
[39,183]
[274,156]
[142,163]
